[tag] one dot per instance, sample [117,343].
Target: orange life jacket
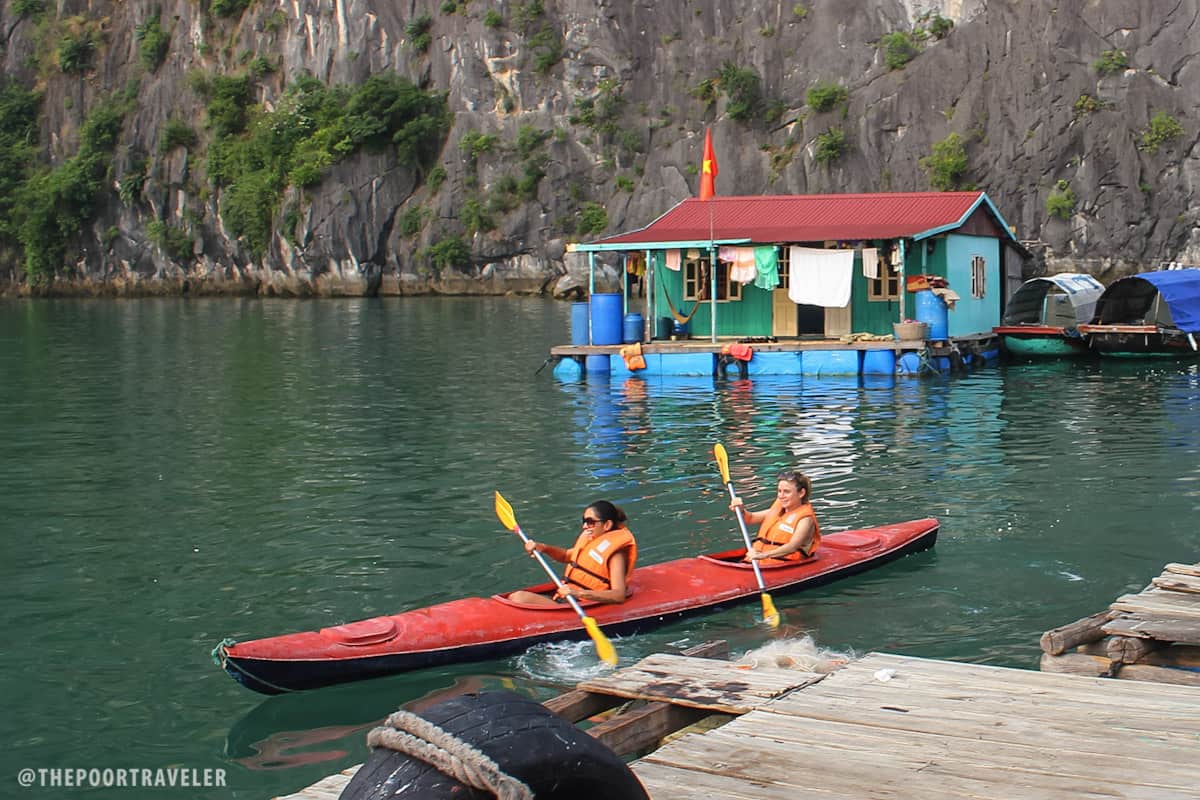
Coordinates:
[587,561]
[634,360]
[777,529]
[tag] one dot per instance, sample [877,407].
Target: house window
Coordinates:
[785,267]
[696,278]
[887,285]
[978,275]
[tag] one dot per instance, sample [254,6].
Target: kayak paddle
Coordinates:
[770,615]
[604,648]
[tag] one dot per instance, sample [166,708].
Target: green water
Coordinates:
[179,471]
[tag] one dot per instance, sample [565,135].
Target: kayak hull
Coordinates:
[478,628]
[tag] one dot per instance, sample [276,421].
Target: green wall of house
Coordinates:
[750,316]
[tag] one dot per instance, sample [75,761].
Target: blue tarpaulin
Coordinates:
[1180,288]
[1129,299]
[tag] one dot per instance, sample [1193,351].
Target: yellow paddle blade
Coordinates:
[505,513]
[604,648]
[722,461]
[770,615]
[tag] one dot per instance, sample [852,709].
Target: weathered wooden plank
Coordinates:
[578,705]
[1085,664]
[1032,754]
[1171,604]
[699,683]
[1183,569]
[639,729]
[972,680]
[1163,628]
[1063,638]
[1177,583]
[824,763]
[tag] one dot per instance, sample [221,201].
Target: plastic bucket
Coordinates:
[932,311]
[663,330]
[633,329]
[579,323]
[606,318]
[679,330]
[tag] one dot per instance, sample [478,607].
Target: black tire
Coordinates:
[527,741]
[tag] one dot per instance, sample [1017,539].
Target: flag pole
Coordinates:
[712,272]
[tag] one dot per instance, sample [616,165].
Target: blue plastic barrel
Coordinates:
[579,321]
[606,318]
[634,329]
[910,364]
[932,310]
[879,362]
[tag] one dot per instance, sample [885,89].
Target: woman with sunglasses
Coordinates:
[788,529]
[598,566]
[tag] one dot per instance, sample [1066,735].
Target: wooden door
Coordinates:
[784,321]
[837,321]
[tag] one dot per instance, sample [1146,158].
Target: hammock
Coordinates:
[680,318]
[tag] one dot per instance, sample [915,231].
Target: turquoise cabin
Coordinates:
[818,266]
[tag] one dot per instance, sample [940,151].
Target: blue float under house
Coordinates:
[837,284]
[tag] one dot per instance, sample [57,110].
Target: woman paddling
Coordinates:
[788,529]
[598,566]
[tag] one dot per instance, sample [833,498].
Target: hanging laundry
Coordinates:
[673,260]
[821,277]
[870,262]
[635,264]
[745,265]
[727,253]
[766,263]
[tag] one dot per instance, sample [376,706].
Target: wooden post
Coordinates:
[1059,640]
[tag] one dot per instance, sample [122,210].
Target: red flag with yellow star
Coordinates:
[708,168]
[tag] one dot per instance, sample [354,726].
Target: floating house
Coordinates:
[802,271]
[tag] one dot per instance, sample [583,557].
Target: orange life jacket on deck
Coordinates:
[587,561]
[777,529]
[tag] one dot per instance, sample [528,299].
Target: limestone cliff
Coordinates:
[1079,118]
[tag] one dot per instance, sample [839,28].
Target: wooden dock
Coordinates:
[888,726]
[1153,635]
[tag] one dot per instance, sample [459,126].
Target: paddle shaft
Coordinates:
[746,537]
[554,576]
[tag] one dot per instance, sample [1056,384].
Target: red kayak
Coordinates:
[478,628]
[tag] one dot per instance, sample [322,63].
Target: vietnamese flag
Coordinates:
[708,169]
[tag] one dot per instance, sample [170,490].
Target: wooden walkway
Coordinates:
[890,726]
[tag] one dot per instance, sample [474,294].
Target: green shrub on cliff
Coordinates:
[18,150]
[1061,202]
[152,42]
[313,127]
[946,164]
[52,207]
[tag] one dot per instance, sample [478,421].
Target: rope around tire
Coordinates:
[415,736]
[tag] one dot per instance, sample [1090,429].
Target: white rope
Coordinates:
[415,736]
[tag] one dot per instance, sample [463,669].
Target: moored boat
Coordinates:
[1149,315]
[1042,317]
[478,628]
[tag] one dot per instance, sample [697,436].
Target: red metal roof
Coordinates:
[808,217]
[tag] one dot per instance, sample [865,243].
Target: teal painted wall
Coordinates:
[973,315]
[869,316]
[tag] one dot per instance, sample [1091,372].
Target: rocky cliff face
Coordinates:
[1053,104]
